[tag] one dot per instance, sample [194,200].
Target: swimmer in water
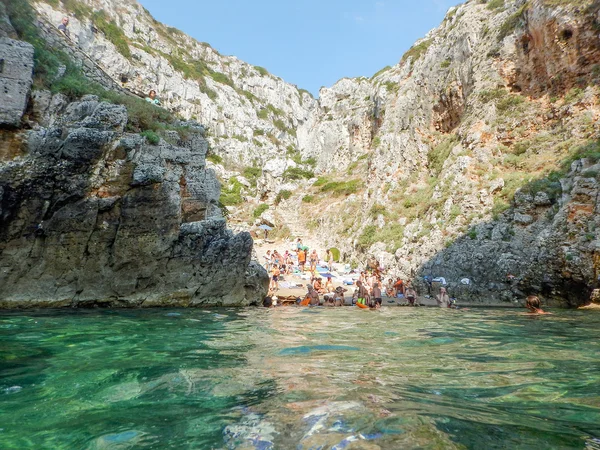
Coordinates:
[534,306]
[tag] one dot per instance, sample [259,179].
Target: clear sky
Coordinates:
[311,43]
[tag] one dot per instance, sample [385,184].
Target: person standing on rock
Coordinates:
[64,27]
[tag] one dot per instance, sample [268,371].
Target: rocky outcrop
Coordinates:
[16,72]
[541,245]
[92,215]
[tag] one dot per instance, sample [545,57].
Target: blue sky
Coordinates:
[311,43]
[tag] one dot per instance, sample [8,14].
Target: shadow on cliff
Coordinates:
[546,243]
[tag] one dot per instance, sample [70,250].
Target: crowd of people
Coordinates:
[370,287]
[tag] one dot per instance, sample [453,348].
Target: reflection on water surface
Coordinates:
[284,379]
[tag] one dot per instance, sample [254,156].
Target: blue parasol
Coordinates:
[265,227]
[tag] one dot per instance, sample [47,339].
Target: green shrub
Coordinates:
[550,185]
[574,95]
[335,253]
[385,69]
[495,4]
[259,210]
[416,51]
[282,195]
[220,77]
[151,137]
[445,63]
[80,9]
[377,209]
[367,237]
[113,32]
[279,124]
[259,132]
[308,198]
[510,104]
[261,70]
[590,151]
[312,161]
[249,95]
[321,181]
[252,174]
[296,173]
[487,96]
[513,22]
[436,157]
[472,233]
[231,194]
[498,208]
[342,187]
[142,114]
[214,158]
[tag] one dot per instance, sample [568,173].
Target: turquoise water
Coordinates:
[294,378]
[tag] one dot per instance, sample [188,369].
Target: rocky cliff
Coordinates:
[93,213]
[95,216]
[475,157]
[420,164]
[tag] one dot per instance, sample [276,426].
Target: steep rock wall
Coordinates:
[92,215]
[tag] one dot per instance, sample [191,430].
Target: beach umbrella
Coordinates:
[265,227]
[327,275]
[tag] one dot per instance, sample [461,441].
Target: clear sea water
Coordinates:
[294,378]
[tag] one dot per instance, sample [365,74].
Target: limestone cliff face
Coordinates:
[92,215]
[475,157]
[251,115]
[490,103]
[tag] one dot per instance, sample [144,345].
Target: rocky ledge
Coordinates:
[94,216]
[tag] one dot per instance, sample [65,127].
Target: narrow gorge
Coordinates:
[476,157]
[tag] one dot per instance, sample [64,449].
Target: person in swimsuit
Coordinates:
[338,296]
[301,259]
[275,277]
[534,305]
[443,299]
[329,285]
[411,294]
[329,260]
[314,259]
[363,294]
[377,295]
[313,296]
